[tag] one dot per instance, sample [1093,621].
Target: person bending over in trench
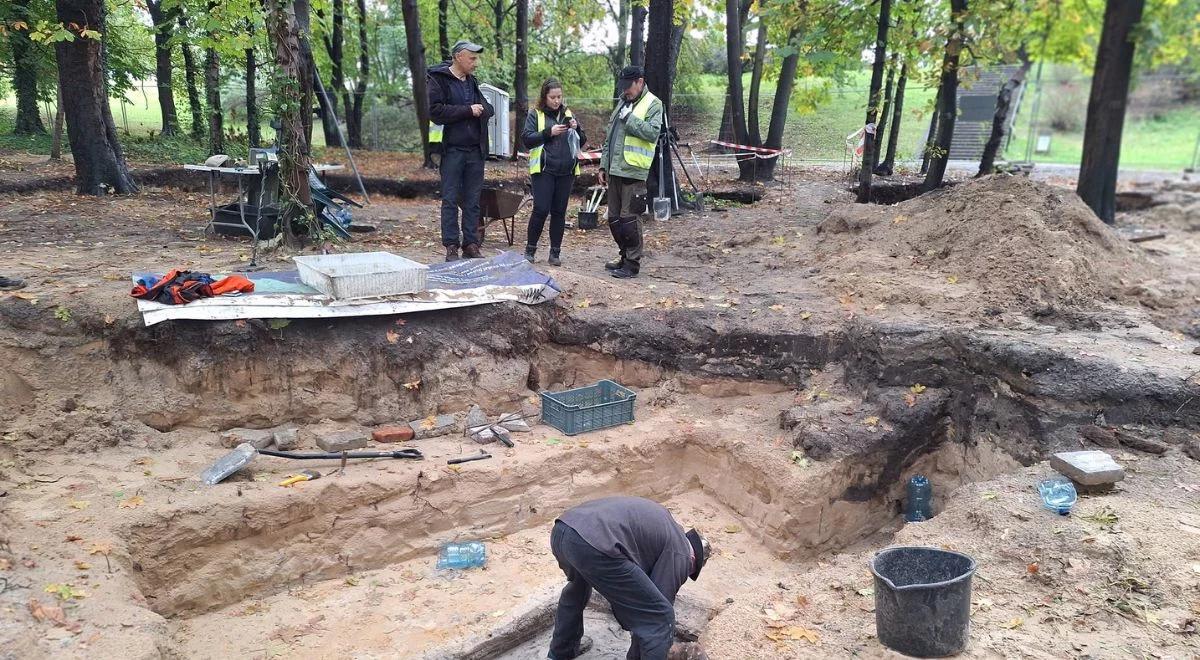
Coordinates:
[634,553]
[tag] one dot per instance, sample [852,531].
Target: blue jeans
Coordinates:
[462,179]
[637,604]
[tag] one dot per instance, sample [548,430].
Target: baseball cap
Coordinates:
[463,44]
[629,75]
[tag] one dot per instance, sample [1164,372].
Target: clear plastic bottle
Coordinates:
[1058,494]
[919,505]
[469,554]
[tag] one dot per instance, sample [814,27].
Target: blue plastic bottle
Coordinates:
[919,506]
[1058,495]
[454,556]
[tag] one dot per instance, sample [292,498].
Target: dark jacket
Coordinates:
[556,153]
[442,109]
[639,530]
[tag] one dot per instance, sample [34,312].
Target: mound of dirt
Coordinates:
[1006,242]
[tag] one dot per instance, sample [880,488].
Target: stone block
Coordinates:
[476,418]
[1099,436]
[344,440]
[516,424]
[259,438]
[393,434]
[432,427]
[1088,468]
[286,438]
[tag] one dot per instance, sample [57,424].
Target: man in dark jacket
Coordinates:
[634,553]
[458,115]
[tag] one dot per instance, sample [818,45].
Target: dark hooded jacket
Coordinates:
[455,116]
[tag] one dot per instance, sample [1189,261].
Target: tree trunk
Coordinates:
[191,76]
[308,73]
[780,107]
[212,95]
[327,96]
[253,128]
[881,126]
[99,163]
[948,111]
[873,101]
[354,116]
[637,36]
[1000,119]
[737,101]
[889,160]
[1106,108]
[164,28]
[498,27]
[294,159]
[660,60]
[443,28]
[756,74]
[931,137]
[521,75]
[622,41]
[25,83]
[56,136]
[416,64]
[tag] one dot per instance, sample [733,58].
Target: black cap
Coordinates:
[463,44]
[631,73]
[701,549]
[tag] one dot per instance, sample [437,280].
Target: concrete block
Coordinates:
[260,438]
[516,425]
[393,434]
[432,427]
[286,438]
[344,440]
[1088,468]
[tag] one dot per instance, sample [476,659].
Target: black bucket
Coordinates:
[923,600]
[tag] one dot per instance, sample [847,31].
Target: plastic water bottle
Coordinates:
[919,506]
[454,556]
[1058,495]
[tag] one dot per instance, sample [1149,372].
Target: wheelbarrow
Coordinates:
[500,205]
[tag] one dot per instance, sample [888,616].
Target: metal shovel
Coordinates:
[244,453]
[662,205]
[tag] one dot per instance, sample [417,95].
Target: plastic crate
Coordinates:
[588,408]
[361,274]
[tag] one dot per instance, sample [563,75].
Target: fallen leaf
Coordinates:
[917,388]
[413,386]
[794,633]
[554,441]
[990,495]
[26,296]
[393,336]
[79,504]
[871,421]
[779,240]
[775,308]
[1032,568]
[866,592]
[65,591]
[1014,623]
[806,316]
[82,565]
[953,279]
[910,399]
[132,502]
[454,468]
[100,549]
[51,613]
[351,581]
[732,529]
[584,304]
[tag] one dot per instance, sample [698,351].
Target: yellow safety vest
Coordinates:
[639,153]
[535,154]
[435,133]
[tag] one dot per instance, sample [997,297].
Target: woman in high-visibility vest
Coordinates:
[554,137]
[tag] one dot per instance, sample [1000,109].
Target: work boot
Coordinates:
[585,645]
[451,253]
[471,251]
[530,251]
[554,260]
[11,283]
[624,273]
[615,264]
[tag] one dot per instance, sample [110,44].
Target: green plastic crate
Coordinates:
[588,408]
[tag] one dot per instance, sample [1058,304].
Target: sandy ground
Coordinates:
[1119,578]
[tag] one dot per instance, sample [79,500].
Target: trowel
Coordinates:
[245,453]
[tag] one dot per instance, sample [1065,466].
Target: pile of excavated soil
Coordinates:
[1000,243]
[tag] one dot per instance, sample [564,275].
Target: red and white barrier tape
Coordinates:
[770,153]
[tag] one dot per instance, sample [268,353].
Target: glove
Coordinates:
[625,111]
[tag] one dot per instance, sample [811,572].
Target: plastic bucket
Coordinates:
[923,600]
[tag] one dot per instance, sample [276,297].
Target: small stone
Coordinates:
[476,418]
[260,438]
[393,434]
[342,440]
[1088,468]
[484,436]
[1099,436]
[515,423]
[1140,443]
[432,427]
[286,438]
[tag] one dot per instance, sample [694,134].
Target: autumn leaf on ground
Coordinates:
[806,316]
[82,565]
[899,219]
[953,279]
[990,495]
[871,421]
[910,399]
[52,613]
[393,336]
[1014,623]
[794,633]
[413,386]
[584,304]
[100,549]
[79,504]
[917,388]
[732,529]
[775,308]
[779,241]
[65,591]
[132,502]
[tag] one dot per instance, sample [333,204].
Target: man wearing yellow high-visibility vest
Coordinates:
[628,153]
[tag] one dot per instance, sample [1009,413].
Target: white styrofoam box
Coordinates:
[361,274]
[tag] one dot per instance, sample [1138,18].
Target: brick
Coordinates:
[341,440]
[393,434]
[287,438]
[1088,468]
[260,438]
[432,427]
[1099,436]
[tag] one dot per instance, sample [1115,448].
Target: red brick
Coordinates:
[392,434]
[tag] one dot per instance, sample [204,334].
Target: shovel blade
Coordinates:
[235,460]
[662,208]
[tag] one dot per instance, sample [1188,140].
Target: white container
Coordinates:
[499,131]
[361,274]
